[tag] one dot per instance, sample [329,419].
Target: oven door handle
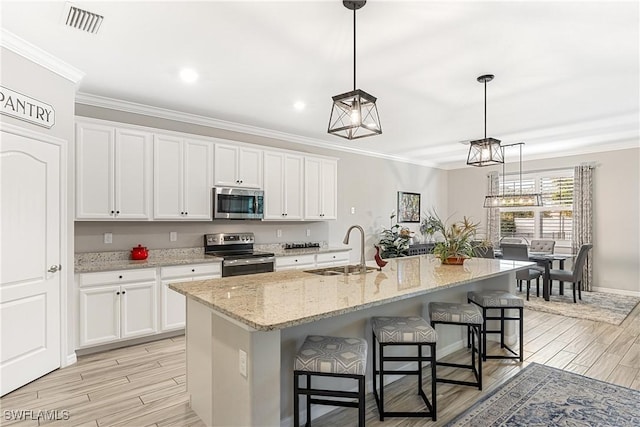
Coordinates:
[248,261]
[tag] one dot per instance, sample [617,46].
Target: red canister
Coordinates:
[139,253]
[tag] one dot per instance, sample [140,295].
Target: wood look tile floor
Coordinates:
[144,385]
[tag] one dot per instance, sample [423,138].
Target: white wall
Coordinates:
[616,236]
[368,184]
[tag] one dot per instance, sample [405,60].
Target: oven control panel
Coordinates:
[229,239]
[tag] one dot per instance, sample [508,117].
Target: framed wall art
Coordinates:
[408,207]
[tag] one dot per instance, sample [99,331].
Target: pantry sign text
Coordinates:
[25,108]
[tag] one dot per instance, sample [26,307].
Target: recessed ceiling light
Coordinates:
[299,105]
[188,75]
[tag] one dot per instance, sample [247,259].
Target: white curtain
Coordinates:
[583,217]
[493,214]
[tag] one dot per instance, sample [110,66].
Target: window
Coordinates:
[553,220]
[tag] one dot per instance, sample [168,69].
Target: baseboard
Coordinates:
[70,360]
[126,343]
[617,291]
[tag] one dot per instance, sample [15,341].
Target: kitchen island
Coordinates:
[243,332]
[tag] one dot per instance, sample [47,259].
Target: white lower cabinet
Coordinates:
[308,261]
[332,259]
[172,304]
[117,305]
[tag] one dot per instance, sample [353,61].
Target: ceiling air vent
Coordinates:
[83,19]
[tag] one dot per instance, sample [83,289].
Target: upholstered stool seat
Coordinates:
[469,315]
[330,357]
[502,301]
[404,331]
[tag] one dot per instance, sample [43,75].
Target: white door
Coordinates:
[138,309]
[226,166]
[30,258]
[168,175]
[312,188]
[99,315]
[132,174]
[294,178]
[250,167]
[274,204]
[329,189]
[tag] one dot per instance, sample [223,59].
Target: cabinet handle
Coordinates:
[112,212]
[186,213]
[241,181]
[193,270]
[119,277]
[117,212]
[117,293]
[124,292]
[295,260]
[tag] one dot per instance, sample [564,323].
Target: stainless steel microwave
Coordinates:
[238,203]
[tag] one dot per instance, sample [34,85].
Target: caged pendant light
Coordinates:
[485,151]
[354,114]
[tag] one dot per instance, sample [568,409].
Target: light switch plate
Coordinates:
[173,236]
[242,362]
[278,233]
[108,238]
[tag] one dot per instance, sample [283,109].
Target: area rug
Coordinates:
[543,396]
[598,306]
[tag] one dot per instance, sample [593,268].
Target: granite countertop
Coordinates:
[279,300]
[89,262]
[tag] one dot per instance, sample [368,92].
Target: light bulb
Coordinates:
[355,116]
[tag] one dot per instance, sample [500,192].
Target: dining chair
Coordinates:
[542,245]
[575,275]
[483,252]
[520,252]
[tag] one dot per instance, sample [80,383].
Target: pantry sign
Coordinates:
[25,108]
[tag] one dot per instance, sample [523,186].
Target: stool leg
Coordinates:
[502,328]
[419,369]
[361,401]
[478,331]
[381,348]
[521,333]
[484,334]
[308,402]
[433,382]
[296,402]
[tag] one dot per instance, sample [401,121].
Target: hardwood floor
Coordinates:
[144,385]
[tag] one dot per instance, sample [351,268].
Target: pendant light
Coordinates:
[485,151]
[354,114]
[512,200]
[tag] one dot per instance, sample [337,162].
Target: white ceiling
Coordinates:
[567,73]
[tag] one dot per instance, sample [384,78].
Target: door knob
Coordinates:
[54,268]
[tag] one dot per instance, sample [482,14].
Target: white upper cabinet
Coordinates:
[113,172]
[283,186]
[182,178]
[238,166]
[321,188]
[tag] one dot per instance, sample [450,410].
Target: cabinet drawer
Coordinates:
[211,268]
[286,261]
[332,257]
[117,276]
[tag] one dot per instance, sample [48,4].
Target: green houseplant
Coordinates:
[458,239]
[394,241]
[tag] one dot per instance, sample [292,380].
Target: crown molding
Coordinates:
[163,113]
[35,54]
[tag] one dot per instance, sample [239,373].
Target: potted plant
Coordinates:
[457,242]
[394,241]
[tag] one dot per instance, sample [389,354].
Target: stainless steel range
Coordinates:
[236,250]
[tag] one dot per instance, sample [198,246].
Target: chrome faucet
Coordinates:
[363,267]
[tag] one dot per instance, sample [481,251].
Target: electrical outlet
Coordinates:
[242,362]
[308,232]
[353,210]
[173,236]
[278,233]
[108,238]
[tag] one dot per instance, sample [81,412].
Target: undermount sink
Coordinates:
[345,270]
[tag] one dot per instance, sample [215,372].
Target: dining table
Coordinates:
[546,260]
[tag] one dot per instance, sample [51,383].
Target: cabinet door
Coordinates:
[250,167]
[274,202]
[225,166]
[293,186]
[329,189]
[173,309]
[94,171]
[198,165]
[132,174]
[99,315]
[138,309]
[312,193]
[167,177]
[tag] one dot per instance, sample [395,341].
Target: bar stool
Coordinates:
[448,313]
[499,300]
[334,357]
[404,331]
